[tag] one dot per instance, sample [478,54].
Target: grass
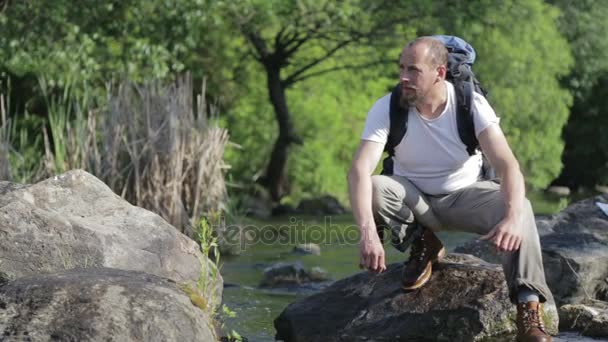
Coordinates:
[208,279]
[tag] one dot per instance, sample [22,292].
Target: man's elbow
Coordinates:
[354,174]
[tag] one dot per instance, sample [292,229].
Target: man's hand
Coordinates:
[506,235]
[371,254]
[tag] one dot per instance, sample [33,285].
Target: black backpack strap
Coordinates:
[465,86]
[397,129]
[464,116]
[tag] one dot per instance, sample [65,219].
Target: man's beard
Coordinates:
[409,99]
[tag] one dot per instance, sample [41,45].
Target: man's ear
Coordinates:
[442,72]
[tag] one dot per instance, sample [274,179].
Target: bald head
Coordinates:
[433,49]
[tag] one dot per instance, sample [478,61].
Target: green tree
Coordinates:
[297,40]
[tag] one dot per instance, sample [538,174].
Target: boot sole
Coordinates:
[420,283]
[440,255]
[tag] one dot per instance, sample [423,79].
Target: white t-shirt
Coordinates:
[431,154]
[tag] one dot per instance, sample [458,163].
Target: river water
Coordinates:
[256,308]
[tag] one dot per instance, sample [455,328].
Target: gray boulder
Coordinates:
[575,252]
[75,220]
[465,300]
[100,305]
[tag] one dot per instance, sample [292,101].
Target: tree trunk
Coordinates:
[275,179]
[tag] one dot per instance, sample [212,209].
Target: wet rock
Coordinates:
[291,274]
[307,248]
[318,274]
[75,221]
[100,305]
[325,205]
[591,321]
[282,274]
[464,301]
[574,243]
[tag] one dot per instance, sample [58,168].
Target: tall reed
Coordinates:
[5,129]
[153,144]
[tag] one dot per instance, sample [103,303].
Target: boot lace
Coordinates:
[418,250]
[531,318]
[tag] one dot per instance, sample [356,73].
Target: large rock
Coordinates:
[465,300]
[75,220]
[99,305]
[574,243]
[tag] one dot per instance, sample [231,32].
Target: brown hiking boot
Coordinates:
[418,268]
[530,327]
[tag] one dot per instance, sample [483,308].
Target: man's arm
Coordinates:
[360,191]
[507,234]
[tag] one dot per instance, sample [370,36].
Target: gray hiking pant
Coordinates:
[397,204]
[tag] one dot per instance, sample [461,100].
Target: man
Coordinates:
[436,185]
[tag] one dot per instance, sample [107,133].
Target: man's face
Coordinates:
[416,76]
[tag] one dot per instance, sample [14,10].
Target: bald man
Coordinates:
[436,185]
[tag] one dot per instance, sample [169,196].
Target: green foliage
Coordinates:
[98,41]
[586,154]
[27,151]
[65,115]
[306,40]
[521,55]
[210,271]
[252,127]
[331,111]
[585,23]
[210,274]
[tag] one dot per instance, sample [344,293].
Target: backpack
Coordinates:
[461,57]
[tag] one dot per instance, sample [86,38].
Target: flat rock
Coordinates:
[465,300]
[291,275]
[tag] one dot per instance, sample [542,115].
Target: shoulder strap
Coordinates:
[398,126]
[464,115]
[398,122]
